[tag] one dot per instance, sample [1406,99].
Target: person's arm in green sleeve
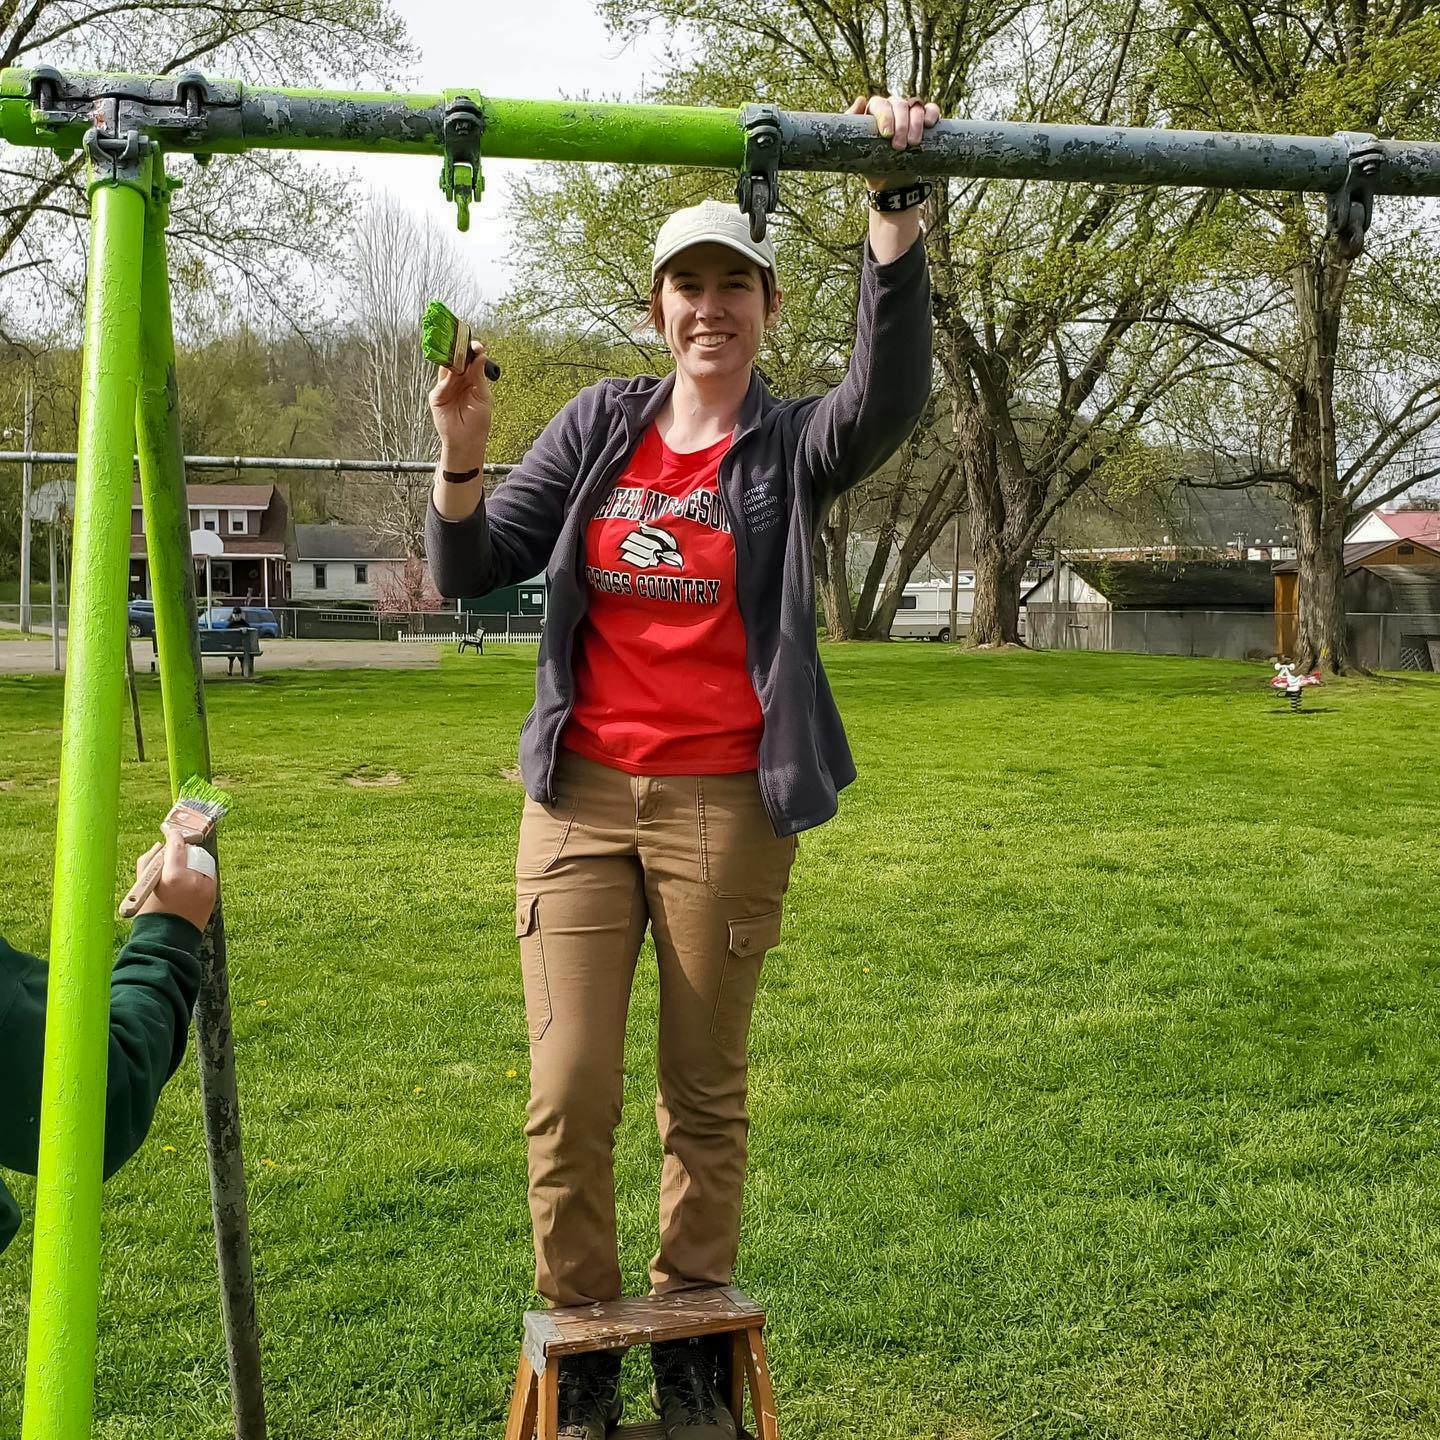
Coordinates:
[152,992]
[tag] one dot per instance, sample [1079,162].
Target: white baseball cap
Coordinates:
[711,222]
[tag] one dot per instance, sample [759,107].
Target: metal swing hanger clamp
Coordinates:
[758,191]
[460,179]
[130,117]
[1350,208]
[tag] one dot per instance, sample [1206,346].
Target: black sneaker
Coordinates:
[589,1395]
[686,1392]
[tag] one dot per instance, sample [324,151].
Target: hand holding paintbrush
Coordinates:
[189,824]
[461,406]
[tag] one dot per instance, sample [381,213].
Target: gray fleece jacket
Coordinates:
[787,462]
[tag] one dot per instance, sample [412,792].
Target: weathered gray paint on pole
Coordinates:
[1110,155]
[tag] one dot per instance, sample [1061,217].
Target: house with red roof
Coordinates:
[1422,525]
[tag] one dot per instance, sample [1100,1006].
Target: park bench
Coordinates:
[238,644]
[474,638]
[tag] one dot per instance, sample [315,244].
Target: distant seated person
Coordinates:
[152,992]
[237,621]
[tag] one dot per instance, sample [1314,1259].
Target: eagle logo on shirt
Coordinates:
[647,546]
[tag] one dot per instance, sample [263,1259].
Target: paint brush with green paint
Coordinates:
[446,340]
[198,809]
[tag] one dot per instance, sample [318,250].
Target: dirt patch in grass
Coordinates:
[370,777]
[511,773]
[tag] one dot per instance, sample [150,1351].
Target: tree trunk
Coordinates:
[832,584]
[1321,511]
[1002,508]
[1322,640]
[996,617]
[882,616]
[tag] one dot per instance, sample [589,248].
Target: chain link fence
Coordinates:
[312,623]
[1378,641]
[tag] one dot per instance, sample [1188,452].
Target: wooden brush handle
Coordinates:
[465,354]
[492,367]
[144,886]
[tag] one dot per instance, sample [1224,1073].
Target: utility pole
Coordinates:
[27,473]
[54,595]
[1062,627]
[955,584]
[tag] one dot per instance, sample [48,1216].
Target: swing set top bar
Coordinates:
[187,112]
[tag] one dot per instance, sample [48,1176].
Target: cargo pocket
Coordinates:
[532,964]
[750,939]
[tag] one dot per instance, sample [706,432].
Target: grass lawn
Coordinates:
[1094,1085]
[10,611]
[10,592]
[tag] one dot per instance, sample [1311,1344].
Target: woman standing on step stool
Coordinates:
[683,732]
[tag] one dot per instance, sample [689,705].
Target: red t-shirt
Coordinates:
[661,686]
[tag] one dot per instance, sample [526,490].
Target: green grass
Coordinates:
[1094,1086]
[10,613]
[10,592]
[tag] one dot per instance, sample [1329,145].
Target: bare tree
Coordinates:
[404,588]
[248,231]
[399,264]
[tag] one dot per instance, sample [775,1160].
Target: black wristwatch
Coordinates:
[905,197]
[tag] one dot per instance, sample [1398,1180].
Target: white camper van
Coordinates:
[924,610]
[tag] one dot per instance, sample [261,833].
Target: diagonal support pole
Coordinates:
[177,642]
[65,1282]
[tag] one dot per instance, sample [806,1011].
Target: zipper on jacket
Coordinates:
[760,772]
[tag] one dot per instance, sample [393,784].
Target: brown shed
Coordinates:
[1392,593]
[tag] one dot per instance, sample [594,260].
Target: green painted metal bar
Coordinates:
[64,1295]
[223,116]
[242,117]
[177,644]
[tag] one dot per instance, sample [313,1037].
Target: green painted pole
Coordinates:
[167,515]
[65,1283]
[177,644]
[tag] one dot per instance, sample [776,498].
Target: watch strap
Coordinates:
[903,197]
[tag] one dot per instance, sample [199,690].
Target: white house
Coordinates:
[339,562]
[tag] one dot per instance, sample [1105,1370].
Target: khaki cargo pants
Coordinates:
[695,859]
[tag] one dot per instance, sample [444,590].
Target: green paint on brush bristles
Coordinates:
[445,340]
[199,794]
[438,330]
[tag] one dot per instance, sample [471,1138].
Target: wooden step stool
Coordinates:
[619,1324]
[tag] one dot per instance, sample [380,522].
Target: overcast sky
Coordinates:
[535,50]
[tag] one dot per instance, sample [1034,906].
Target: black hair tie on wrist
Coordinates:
[459,477]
